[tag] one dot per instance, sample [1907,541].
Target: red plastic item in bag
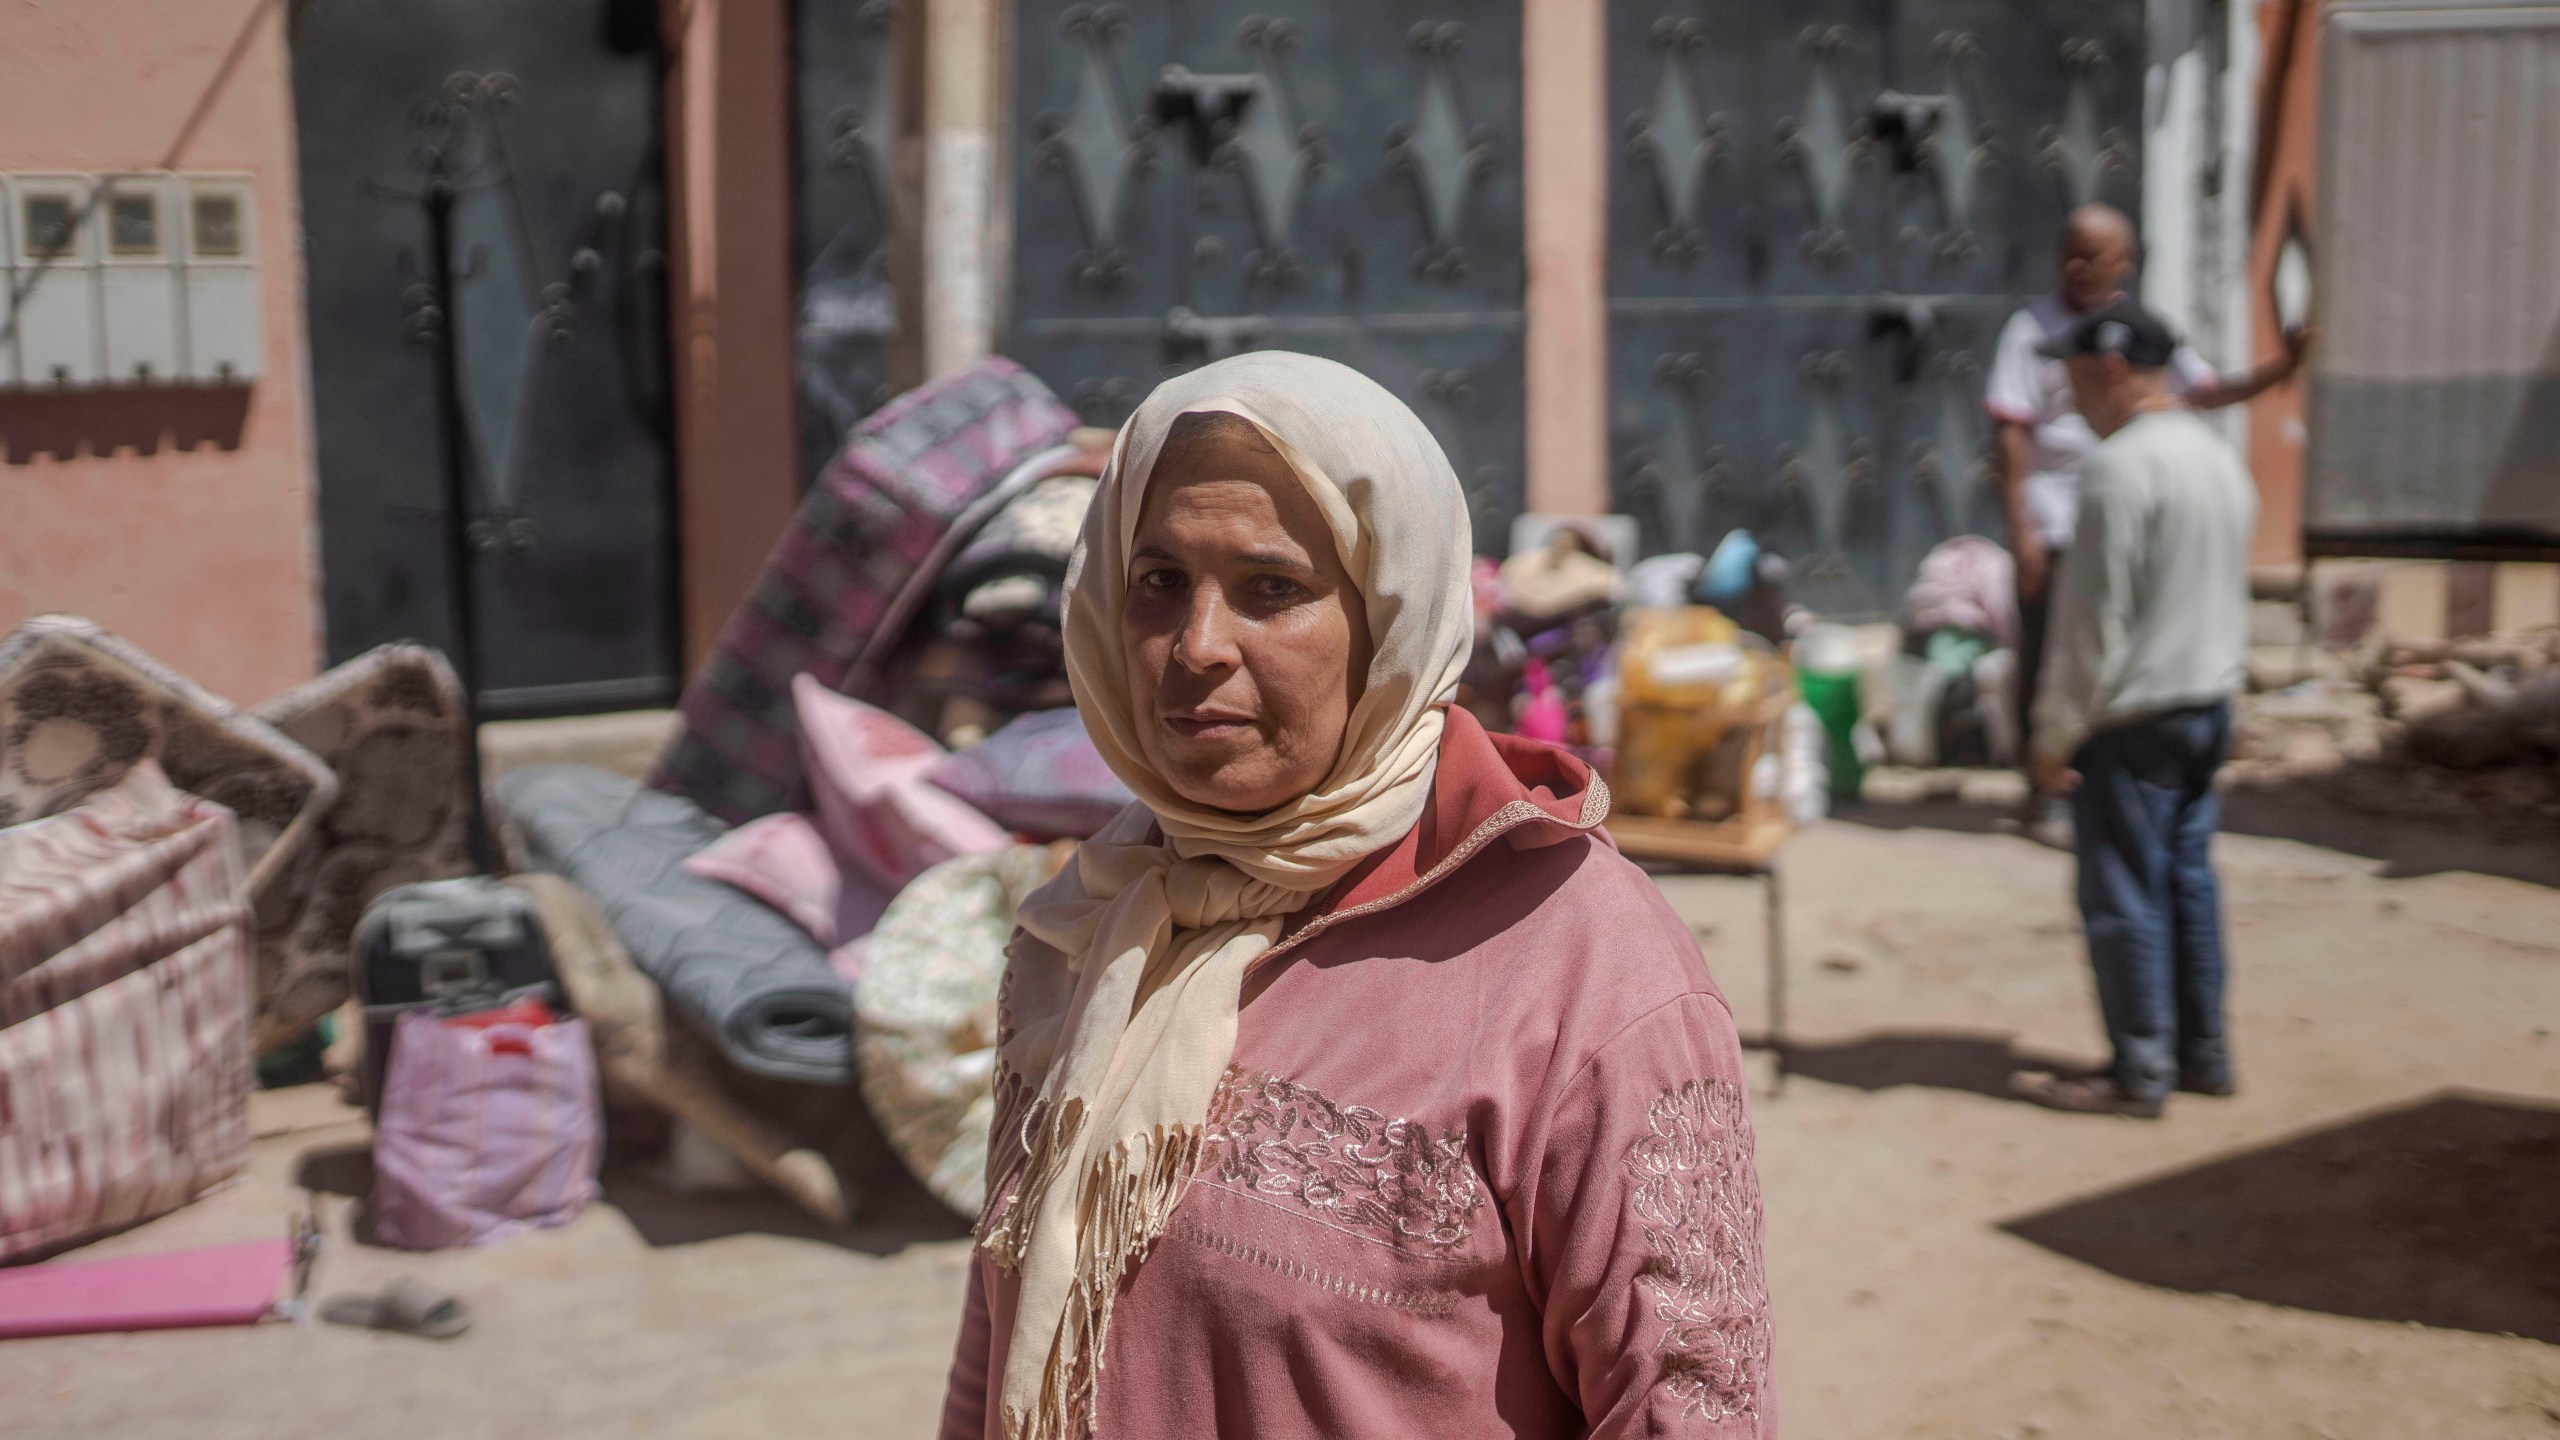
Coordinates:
[528,1012]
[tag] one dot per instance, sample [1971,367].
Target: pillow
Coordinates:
[874,809]
[1039,776]
[783,861]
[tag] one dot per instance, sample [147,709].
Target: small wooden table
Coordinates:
[1746,846]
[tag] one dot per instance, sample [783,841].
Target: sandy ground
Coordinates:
[2365,1243]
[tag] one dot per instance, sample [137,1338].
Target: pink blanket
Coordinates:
[125,989]
[223,1285]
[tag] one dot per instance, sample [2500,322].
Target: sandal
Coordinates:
[404,1306]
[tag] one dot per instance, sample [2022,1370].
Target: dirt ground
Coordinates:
[2364,1243]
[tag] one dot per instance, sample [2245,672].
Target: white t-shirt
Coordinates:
[2028,389]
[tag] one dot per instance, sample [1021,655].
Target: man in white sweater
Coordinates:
[2148,641]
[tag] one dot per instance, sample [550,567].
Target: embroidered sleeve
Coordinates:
[1646,1235]
[1692,1187]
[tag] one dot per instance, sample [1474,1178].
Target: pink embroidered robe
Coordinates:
[1482,1166]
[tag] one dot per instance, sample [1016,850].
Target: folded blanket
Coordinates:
[1026,545]
[736,969]
[124,1012]
[1039,776]
[862,532]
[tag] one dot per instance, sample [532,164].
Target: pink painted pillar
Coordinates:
[737,436]
[1566,179]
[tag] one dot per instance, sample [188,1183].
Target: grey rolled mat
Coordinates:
[737,970]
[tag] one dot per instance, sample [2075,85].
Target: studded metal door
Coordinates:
[1336,176]
[845,65]
[537,125]
[1822,217]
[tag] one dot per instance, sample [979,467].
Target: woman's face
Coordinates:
[1247,641]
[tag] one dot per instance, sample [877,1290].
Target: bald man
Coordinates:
[2043,440]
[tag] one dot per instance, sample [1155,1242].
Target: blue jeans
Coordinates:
[2145,814]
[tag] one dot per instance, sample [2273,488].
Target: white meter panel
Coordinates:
[53,244]
[140,307]
[8,294]
[223,338]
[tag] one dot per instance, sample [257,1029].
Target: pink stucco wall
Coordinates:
[180,519]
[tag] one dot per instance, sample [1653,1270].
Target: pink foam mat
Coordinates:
[220,1285]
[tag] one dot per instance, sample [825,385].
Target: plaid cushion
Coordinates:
[860,534]
[124,992]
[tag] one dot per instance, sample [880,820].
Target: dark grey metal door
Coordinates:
[1335,176]
[541,124]
[845,66]
[1823,216]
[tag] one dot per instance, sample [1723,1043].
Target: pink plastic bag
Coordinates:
[485,1132]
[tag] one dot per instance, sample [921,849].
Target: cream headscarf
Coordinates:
[1127,1032]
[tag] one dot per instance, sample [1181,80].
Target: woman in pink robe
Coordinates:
[1472,1150]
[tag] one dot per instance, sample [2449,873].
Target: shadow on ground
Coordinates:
[1976,1062]
[2445,1213]
[1933,812]
[2353,812]
[2356,812]
[892,1211]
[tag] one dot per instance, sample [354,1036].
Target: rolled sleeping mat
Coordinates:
[733,968]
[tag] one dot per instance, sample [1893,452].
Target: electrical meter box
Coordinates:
[54,252]
[220,265]
[8,293]
[145,278]
[139,306]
